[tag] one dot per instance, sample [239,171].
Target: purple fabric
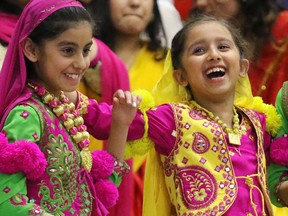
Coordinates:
[13,74]
[7,26]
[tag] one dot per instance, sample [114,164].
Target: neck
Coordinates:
[222,109]
[127,48]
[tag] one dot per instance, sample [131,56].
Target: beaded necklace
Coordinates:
[70,117]
[234,134]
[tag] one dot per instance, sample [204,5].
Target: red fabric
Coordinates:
[184,7]
[269,55]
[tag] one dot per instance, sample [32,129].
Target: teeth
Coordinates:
[217,69]
[73,76]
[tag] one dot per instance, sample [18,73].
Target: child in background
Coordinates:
[209,139]
[47,56]
[278,169]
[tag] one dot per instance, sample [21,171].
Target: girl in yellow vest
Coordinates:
[207,140]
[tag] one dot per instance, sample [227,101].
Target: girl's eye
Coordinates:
[86,51]
[223,47]
[198,50]
[68,50]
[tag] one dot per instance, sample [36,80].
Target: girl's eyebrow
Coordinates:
[65,43]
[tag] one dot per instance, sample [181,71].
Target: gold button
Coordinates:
[263,87]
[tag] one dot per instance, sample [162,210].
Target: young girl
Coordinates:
[47,56]
[210,141]
[278,170]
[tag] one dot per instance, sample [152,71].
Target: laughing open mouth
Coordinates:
[215,73]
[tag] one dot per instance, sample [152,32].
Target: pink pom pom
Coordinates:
[279,151]
[107,193]
[103,165]
[21,156]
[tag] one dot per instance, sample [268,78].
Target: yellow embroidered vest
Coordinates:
[198,172]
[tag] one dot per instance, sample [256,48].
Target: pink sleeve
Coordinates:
[99,117]
[161,127]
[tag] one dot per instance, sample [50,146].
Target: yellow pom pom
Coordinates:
[273,120]
[147,99]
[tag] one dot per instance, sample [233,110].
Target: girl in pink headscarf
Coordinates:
[46,167]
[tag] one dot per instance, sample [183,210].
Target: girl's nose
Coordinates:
[81,62]
[134,3]
[213,54]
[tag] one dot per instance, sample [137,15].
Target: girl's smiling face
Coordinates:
[60,63]
[210,61]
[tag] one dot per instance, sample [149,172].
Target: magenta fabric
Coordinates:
[23,156]
[7,26]
[13,74]
[114,74]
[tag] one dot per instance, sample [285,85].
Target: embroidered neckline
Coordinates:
[234,133]
[71,119]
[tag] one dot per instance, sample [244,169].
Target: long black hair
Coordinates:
[105,31]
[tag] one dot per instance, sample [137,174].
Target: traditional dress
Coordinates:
[191,145]
[66,188]
[69,180]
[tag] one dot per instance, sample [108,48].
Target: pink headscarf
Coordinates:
[8,23]
[14,74]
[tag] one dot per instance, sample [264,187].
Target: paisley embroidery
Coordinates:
[197,185]
[201,143]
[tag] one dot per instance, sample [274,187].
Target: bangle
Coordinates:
[121,167]
[277,194]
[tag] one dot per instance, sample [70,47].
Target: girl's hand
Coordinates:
[123,112]
[125,107]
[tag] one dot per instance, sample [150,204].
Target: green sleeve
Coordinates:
[22,122]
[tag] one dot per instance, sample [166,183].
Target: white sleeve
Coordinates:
[170,18]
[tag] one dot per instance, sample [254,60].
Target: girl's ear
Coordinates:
[244,67]
[180,77]
[30,50]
